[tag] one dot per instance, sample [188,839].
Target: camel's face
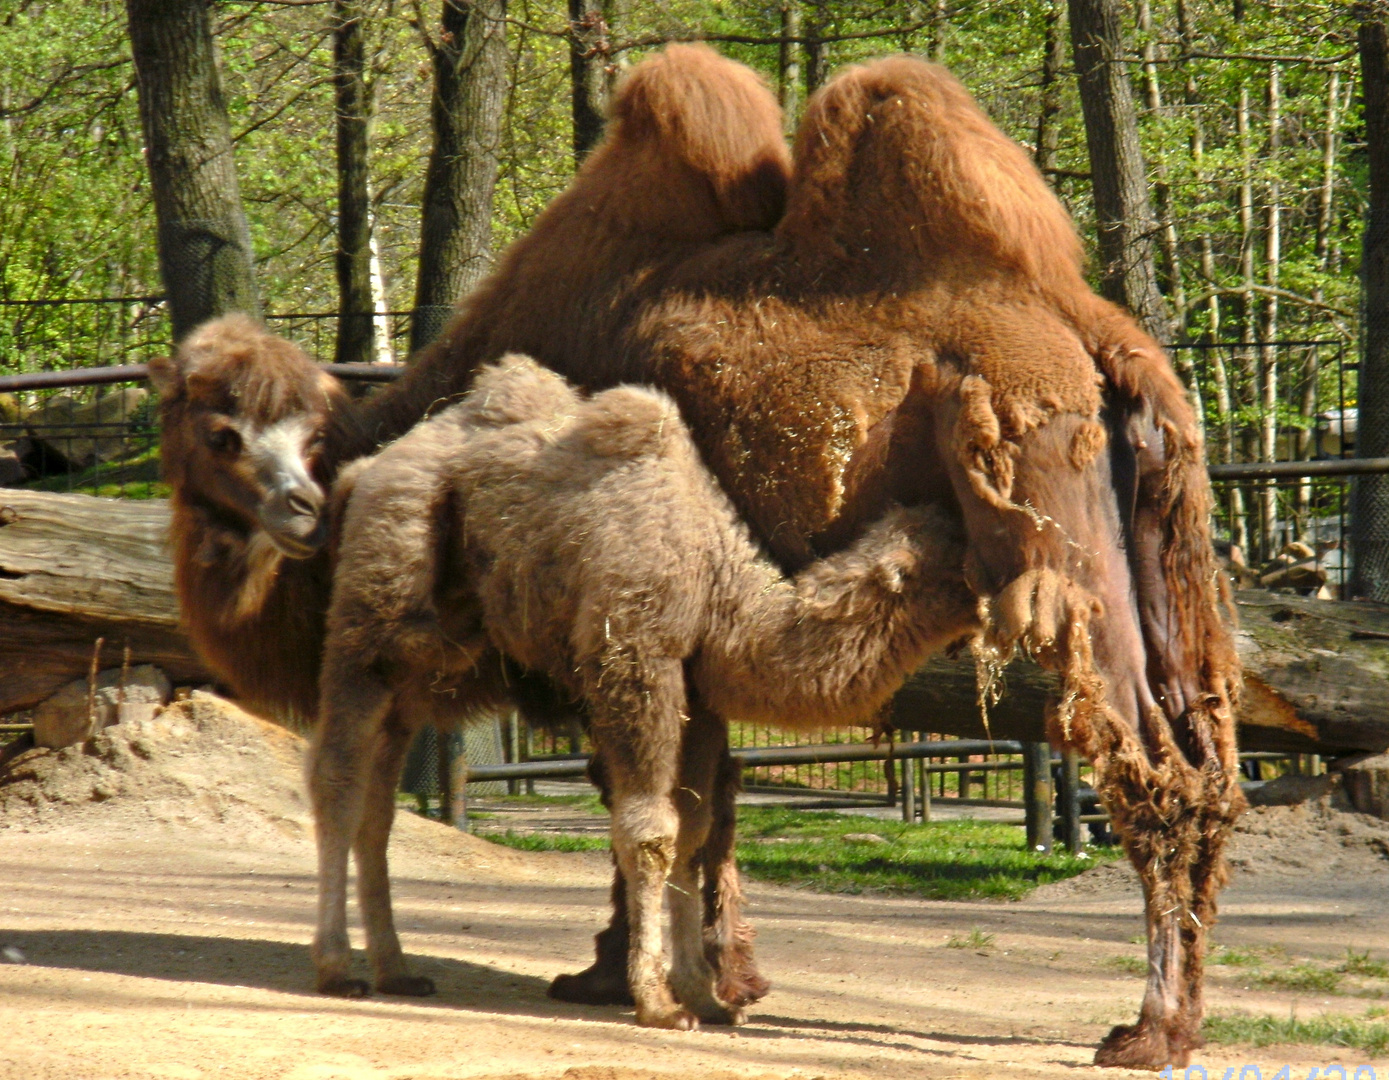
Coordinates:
[244,416]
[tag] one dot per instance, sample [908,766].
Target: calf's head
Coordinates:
[244,414]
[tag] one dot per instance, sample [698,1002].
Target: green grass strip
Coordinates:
[845,853]
[1370,1036]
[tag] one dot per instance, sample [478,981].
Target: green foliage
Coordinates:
[1349,1032]
[548,841]
[1129,965]
[1235,957]
[1359,963]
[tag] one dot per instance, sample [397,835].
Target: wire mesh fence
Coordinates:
[1269,402]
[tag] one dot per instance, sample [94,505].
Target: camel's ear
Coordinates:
[164,376]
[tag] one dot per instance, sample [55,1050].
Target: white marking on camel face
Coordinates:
[279,453]
[292,504]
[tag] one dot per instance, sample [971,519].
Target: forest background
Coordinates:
[1250,117]
[1249,114]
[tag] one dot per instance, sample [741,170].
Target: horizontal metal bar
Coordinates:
[95,376]
[1278,470]
[366,372]
[772,755]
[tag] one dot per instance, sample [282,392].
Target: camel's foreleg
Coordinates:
[638,711]
[349,726]
[373,878]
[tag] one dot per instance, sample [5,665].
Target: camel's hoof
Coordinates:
[672,1019]
[744,988]
[727,1016]
[342,986]
[1138,1047]
[590,987]
[406,985]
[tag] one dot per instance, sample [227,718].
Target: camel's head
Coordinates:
[244,415]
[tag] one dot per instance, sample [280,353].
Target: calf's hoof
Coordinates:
[342,986]
[591,986]
[406,985]
[1141,1046]
[726,1016]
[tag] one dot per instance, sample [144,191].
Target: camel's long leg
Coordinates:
[727,937]
[373,879]
[638,708]
[1064,581]
[692,977]
[348,729]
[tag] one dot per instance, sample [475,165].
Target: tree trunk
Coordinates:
[1370,525]
[1049,115]
[1162,190]
[1268,330]
[789,64]
[352,97]
[204,242]
[469,58]
[1125,219]
[588,47]
[814,49]
[1245,362]
[939,22]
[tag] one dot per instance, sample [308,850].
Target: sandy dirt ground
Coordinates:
[156,901]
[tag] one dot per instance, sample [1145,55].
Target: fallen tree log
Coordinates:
[74,568]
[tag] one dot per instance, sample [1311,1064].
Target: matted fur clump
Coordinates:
[584,538]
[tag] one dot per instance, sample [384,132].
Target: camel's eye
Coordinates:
[224,440]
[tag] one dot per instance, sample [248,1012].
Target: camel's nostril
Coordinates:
[301,503]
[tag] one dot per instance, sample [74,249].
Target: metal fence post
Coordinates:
[1068,802]
[1036,782]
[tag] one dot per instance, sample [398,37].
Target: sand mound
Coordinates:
[201,765]
[1316,839]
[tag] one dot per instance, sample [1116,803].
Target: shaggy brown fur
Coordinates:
[916,329]
[585,539]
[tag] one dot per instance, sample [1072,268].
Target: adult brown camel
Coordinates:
[918,328]
[585,539]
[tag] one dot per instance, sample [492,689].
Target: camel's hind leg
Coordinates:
[1071,546]
[692,977]
[373,878]
[349,729]
[638,711]
[727,936]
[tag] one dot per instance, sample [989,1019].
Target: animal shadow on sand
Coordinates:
[275,965]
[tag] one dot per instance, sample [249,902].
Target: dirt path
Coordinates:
[166,936]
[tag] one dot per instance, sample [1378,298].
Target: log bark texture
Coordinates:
[74,568]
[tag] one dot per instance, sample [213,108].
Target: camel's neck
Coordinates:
[254,616]
[831,645]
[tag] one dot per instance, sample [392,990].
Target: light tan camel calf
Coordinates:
[585,539]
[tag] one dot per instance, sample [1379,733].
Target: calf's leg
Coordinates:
[350,725]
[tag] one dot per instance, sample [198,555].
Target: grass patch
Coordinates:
[1359,963]
[1306,977]
[548,841]
[1235,957]
[944,860]
[1350,1032]
[975,939]
[1129,965]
